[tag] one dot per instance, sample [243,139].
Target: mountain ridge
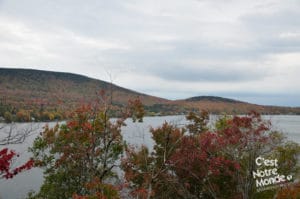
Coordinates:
[39,91]
[212,98]
[66,75]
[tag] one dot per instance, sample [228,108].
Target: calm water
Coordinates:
[133,133]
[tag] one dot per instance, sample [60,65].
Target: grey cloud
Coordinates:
[173,40]
[268,28]
[91,18]
[206,73]
[286,19]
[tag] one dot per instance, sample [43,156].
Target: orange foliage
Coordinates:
[289,192]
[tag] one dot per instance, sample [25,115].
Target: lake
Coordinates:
[133,133]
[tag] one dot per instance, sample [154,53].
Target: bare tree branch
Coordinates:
[11,134]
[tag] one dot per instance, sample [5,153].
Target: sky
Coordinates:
[247,50]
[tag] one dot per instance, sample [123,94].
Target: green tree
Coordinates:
[8,117]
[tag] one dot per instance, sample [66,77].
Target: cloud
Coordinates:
[171,48]
[206,72]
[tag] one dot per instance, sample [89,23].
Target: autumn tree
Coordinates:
[202,168]
[136,109]
[198,162]
[197,122]
[11,135]
[7,157]
[245,139]
[289,191]
[80,157]
[149,172]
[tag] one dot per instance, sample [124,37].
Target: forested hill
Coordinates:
[27,84]
[27,94]
[36,91]
[224,105]
[212,99]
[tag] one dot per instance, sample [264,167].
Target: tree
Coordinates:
[136,109]
[8,117]
[79,157]
[200,165]
[203,163]
[198,122]
[6,159]
[11,135]
[148,173]
[289,191]
[245,139]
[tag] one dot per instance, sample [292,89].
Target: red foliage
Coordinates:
[198,162]
[140,193]
[208,156]
[136,109]
[6,158]
[289,191]
[198,157]
[98,190]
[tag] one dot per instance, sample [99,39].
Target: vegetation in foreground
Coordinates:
[83,158]
[87,158]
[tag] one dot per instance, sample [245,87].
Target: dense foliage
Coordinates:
[80,157]
[198,162]
[83,157]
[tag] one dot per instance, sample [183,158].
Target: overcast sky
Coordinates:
[242,49]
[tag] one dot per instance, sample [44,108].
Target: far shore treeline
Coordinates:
[33,95]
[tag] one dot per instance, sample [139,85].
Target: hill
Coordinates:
[37,84]
[224,105]
[26,90]
[212,99]
[27,94]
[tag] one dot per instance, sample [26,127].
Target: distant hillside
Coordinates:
[211,99]
[27,94]
[28,89]
[33,84]
[224,105]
